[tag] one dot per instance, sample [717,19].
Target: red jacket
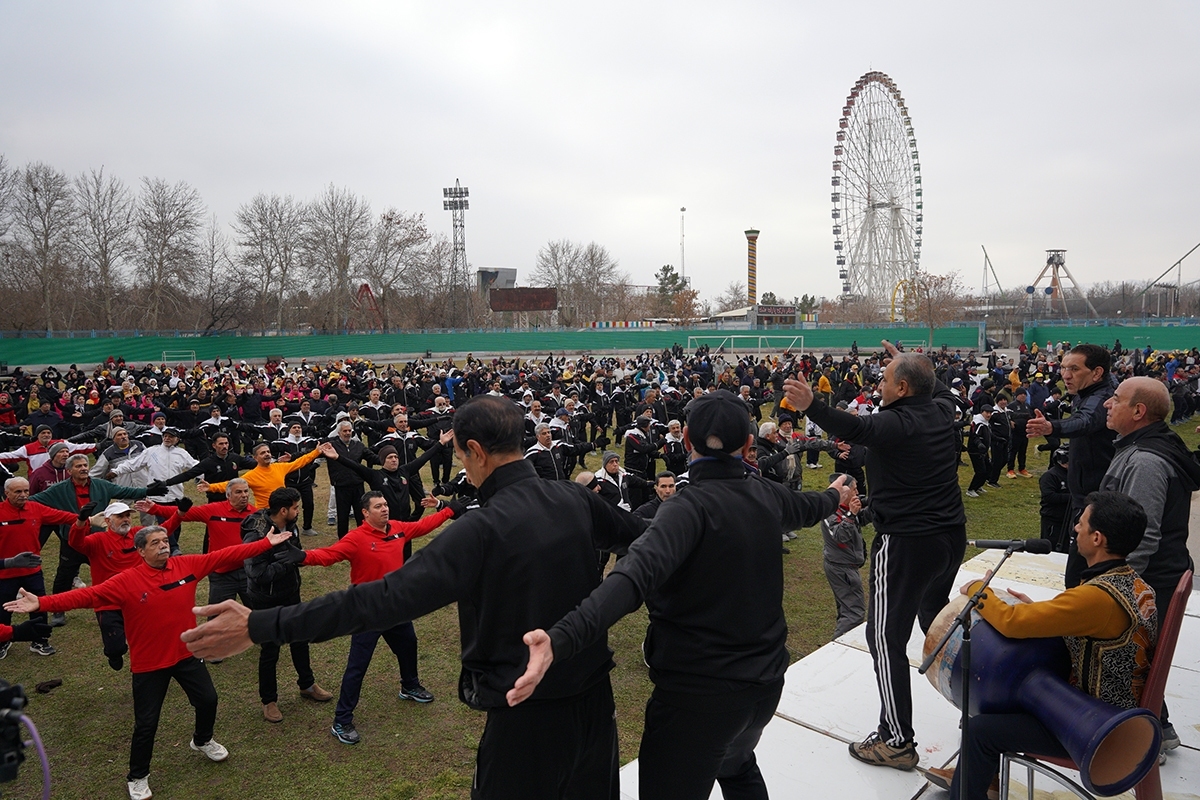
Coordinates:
[222,524]
[19,531]
[373,553]
[156,603]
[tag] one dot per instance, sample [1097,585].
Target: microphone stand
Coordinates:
[963,621]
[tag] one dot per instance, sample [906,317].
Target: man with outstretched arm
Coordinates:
[710,573]
[156,599]
[912,458]
[522,560]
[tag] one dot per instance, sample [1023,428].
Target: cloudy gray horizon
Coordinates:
[1039,125]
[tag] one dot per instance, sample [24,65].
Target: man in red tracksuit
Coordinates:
[21,521]
[374,549]
[156,598]
[109,552]
[222,528]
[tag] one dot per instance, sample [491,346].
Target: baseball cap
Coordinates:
[718,423]
[116,508]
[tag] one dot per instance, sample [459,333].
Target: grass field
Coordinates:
[408,751]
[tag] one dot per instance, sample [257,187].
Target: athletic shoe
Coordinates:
[42,649]
[331,521]
[139,789]
[346,734]
[4,649]
[878,753]
[58,620]
[315,692]
[1024,473]
[214,751]
[972,493]
[417,694]
[271,712]
[981,490]
[791,535]
[308,532]
[78,583]
[993,485]
[942,778]
[787,552]
[1170,739]
[1011,474]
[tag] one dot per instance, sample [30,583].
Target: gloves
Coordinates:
[88,510]
[458,507]
[30,631]
[23,561]
[293,556]
[155,488]
[184,504]
[586,447]
[794,446]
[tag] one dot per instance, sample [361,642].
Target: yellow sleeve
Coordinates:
[304,460]
[218,487]
[1082,611]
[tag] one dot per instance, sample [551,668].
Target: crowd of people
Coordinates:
[640,455]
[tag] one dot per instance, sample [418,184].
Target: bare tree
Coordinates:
[584,275]
[169,224]
[8,182]
[222,288]
[270,233]
[103,236]
[43,214]
[934,300]
[733,297]
[398,257]
[336,239]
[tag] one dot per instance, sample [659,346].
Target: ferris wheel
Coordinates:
[877,205]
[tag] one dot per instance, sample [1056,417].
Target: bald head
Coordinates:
[1136,403]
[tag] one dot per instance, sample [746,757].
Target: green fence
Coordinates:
[89,351]
[1159,337]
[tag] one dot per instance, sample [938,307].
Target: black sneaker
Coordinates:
[42,649]
[58,620]
[418,694]
[346,734]
[4,649]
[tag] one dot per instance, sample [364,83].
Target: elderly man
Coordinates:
[920,524]
[1153,465]
[21,521]
[72,495]
[109,551]
[345,483]
[37,452]
[162,462]
[156,599]
[122,448]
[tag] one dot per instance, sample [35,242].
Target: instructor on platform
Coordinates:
[920,524]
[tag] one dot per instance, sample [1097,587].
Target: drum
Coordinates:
[1114,748]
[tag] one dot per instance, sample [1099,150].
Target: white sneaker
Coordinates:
[78,583]
[140,789]
[214,751]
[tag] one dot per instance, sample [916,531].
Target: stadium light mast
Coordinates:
[454,200]
[682,263]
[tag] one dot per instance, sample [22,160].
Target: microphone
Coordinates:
[1039,546]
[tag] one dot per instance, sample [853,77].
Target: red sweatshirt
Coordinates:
[373,553]
[19,531]
[108,553]
[156,603]
[221,522]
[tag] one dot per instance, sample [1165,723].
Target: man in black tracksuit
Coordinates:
[525,558]
[345,483]
[717,656]
[920,524]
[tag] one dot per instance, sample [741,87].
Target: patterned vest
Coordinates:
[1115,670]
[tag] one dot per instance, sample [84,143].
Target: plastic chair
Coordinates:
[1150,787]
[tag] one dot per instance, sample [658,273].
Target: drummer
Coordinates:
[1112,605]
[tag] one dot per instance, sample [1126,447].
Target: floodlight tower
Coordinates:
[455,201]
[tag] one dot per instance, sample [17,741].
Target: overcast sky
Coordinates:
[1039,124]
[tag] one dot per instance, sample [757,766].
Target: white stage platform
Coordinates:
[830,699]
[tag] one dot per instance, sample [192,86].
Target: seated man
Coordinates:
[1108,621]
